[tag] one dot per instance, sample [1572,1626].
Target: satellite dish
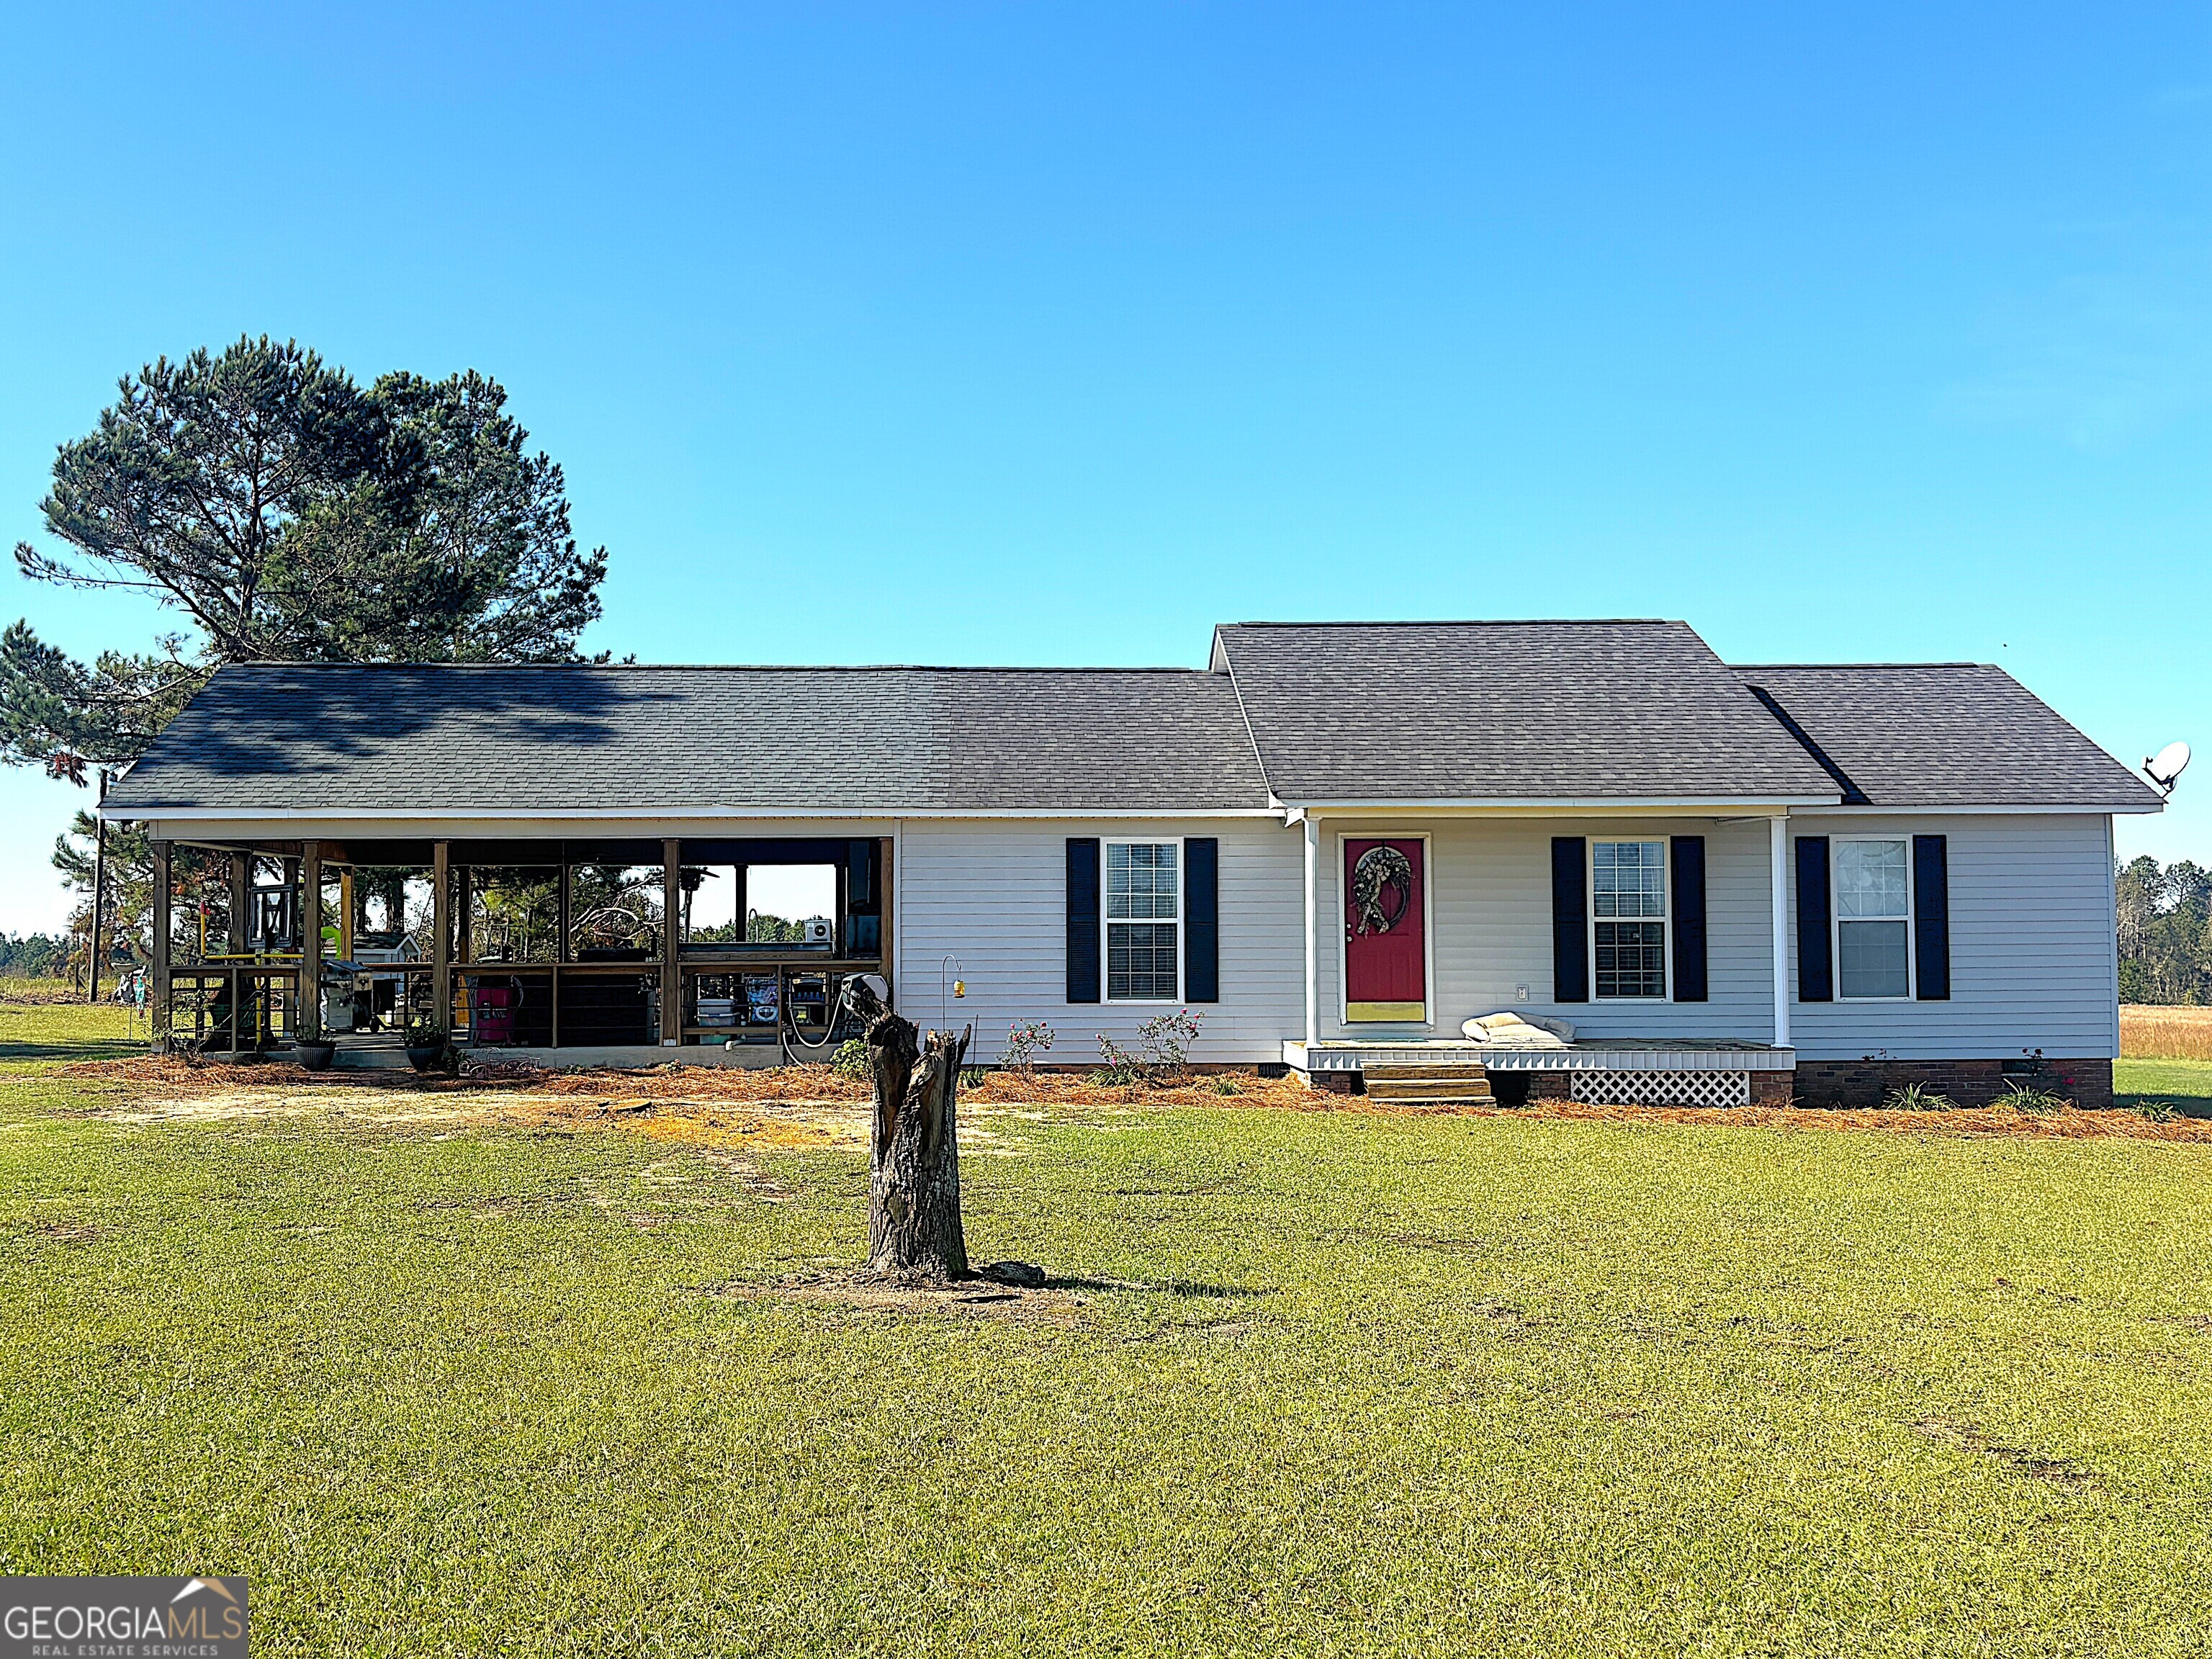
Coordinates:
[2169,763]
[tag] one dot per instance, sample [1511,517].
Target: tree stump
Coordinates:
[914,1235]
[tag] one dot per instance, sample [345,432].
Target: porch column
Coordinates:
[345,912]
[671,942]
[1313,925]
[241,900]
[464,912]
[157,1001]
[561,951]
[1777,831]
[307,1010]
[441,938]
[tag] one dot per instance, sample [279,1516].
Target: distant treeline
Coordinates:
[33,956]
[2166,933]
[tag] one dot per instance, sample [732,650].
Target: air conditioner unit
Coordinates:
[818,930]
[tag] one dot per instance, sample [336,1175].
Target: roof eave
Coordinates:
[1691,804]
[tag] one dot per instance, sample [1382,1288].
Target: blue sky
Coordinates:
[1055,334]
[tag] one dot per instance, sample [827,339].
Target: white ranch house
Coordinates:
[1341,843]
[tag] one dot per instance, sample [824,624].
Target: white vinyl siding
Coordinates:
[993,893]
[2032,949]
[1490,895]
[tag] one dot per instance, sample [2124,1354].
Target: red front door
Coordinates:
[1386,947]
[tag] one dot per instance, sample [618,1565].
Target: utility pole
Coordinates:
[99,891]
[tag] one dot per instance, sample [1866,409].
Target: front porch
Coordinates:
[608,951]
[1640,1072]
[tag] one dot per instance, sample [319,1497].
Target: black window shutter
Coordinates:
[1931,917]
[1201,920]
[1083,918]
[1816,981]
[1570,920]
[1689,858]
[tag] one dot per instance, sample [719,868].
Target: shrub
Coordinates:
[1162,1054]
[1918,1098]
[1026,1040]
[1227,1085]
[2156,1110]
[2037,1103]
[851,1059]
[1165,1040]
[1119,1069]
[971,1077]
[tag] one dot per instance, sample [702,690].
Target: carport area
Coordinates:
[606,950]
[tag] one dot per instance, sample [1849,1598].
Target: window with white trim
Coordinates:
[1873,918]
[1628,908]
[1144,921]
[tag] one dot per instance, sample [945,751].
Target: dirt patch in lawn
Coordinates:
[719,1125]
[1968,1436]
[974,1298]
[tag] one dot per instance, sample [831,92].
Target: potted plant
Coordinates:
[426,1044]
[315,1056]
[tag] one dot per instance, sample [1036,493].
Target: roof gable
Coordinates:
[1528,711]
[1945,735]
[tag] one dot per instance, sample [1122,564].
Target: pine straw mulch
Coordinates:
[768,1085]
[733,1106]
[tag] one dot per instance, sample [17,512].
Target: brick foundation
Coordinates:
[2086,1083]
[1773,1088]
[1333,1083]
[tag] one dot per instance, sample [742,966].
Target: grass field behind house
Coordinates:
[2165,1033]
[1338,1382]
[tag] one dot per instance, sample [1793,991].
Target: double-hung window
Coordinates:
[1144,921]
[1873,918]
[1628,906]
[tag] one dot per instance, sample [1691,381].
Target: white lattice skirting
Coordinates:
[1660,1088]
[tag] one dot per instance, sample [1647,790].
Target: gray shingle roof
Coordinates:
[1339,712]
[1945,735]
[436,739]
[1507,711]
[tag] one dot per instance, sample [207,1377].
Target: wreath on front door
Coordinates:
[1381,870]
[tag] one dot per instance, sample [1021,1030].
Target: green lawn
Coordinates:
[2184,1084]
[34,1035]
[1363,1384]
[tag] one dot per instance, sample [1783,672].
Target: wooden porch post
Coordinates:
[441,938]
[345,912]
[98,895]
[464,911]
[561,938]
[241,900]
[672,943]
[158,998]
[291,879]
[307,1012]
